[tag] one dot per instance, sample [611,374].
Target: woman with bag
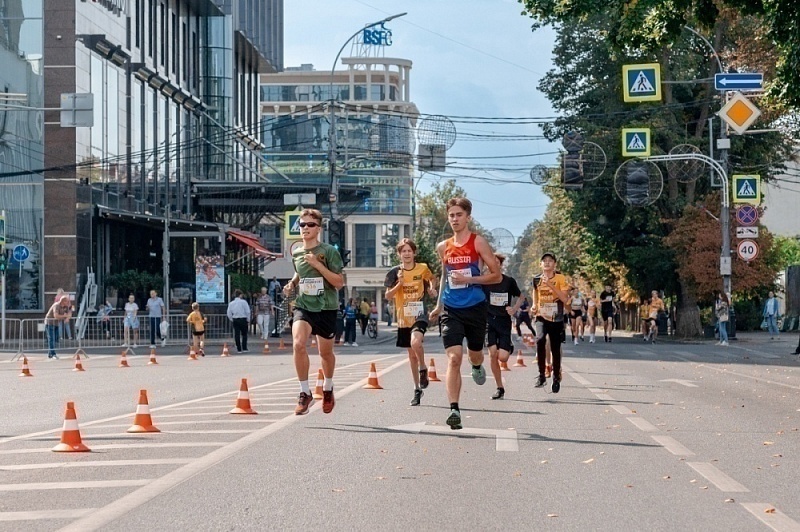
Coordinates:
[722,309]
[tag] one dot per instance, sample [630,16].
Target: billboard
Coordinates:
[210,279]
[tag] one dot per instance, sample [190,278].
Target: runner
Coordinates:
[499,322]
[407,284]
[656,306]
[576,307]
[318,275]
[607,311]
[524,316]
[644,316]
[550,293]
[591,314]
[462,302]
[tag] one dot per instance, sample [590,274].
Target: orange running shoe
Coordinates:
[304,402]
[328,402]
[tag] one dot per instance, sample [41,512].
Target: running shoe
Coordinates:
[417,396]
[354,344]
[556,386]
[479,375]
[548,371]
[304,402]
[541,380]
[499,393]
[454,420]
[423,379]
[152,346]
[328,402]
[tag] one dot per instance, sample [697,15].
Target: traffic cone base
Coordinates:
[320,381]
[372,380]
[192,355]
[266,348]
[78,364]
[432,377]
[504,366]
[282,344]
[142,422]
[152,361]
[26,372]
[123,360]
[225,351]
[71,434]
[243,401]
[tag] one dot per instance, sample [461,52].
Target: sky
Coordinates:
[471,58]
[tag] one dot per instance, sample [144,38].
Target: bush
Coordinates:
[247,283]
[748,315]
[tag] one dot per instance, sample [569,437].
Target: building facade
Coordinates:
[372,144]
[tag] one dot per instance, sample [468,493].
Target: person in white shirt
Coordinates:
[131,322]
[156,310]
[239,314]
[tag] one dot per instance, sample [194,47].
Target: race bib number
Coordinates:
[413,309]
[312,286]
[466,272]
[498,299]
[548,310]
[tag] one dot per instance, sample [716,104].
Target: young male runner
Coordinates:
[499,323]
[407,284]
[607,311]
[550,294]
[462,302]
[318,275]
[656,306]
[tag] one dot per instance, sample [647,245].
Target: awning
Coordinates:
[251,240]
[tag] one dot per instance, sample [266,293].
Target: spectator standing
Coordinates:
[156,311]
[275,289]
[722,308]
[771,315]
[239,314]
[339,324]
[350,316]
[264,310]
[53,320]
[104,317]
[131,322]
[363,315]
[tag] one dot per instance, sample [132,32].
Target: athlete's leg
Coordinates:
[495,365]
[412,363]
[418,347]
[453,379]
[301,330]
[326,355]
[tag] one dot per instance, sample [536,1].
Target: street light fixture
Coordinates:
[332,148]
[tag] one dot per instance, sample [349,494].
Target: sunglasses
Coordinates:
[308,224]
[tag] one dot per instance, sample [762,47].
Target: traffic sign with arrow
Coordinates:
[739,81]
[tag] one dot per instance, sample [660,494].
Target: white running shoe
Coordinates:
[355,344]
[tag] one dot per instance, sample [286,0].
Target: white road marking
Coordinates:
[759,379]
[717,477]
[241,419]
[580,378]
[128,502]
[86,484]
[597,390]
[642,424]
[644,352]
[122,446]
[506,440]
[625,411]
[605,352]
[213,431]
[97,463]
[45,514]
[776,519]
[687,354]
[224,408]
[682,382]
[672,445]
[604,397]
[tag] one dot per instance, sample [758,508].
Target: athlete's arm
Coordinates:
[289,288]
[443,279]
[390,292]
[334,279]
[487,256]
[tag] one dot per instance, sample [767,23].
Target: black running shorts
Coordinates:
[404,333]
[607,314]
[323,323]
[460,323]
[499,332]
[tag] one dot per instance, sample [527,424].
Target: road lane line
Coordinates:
[672,445]
[644,352]
[759,379]
[605,352]
[642,424]
[506,440]
[213,431]
[772,517]
[133,500]
[85,484]
[604,397]
[45,514]
[195,421]
[580,378]
[97,463]
[717,477]
[122,446]
[625,411]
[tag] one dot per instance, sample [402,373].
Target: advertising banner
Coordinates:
[210,279]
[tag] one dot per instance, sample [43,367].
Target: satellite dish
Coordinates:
[504,241]
[540,174]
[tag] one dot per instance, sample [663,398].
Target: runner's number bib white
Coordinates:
[413,309]
[312,286]
[498,299]
[466,272]
[549,310]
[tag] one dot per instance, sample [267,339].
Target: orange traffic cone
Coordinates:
[142,422]
[282,345]
[225,352]
[432,372]
[266,348]
[318,389]
[123,360]
[504,366]
[26,372]
[243,401]
[372,380]
[192,355]
[520,363]
[152,361]
[313,340]
[78,365]
[71,434]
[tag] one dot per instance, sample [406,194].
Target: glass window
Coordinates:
[164,38]
[151,26]
[365,246]
[390,234]
[359,92]
[377,92]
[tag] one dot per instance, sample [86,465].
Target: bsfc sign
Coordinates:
[378,36]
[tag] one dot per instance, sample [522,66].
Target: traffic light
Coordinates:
[638,183]
[336,230]
[345,257]
[572,175]
[3,263]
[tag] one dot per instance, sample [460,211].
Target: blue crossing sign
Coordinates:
[21,253]
[739,81]
[641,83]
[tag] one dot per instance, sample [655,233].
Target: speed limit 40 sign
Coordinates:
[747,250]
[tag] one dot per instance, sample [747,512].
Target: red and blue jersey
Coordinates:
[465,260]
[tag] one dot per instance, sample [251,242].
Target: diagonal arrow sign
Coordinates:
[682,382]
[506,439]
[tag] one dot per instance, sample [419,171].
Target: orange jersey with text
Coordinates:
[408,300]
[548,305]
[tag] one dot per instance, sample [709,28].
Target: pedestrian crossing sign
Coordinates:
[636,142]
[747,189]
[292,229]
[641,83]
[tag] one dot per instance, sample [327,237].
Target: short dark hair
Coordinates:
[406,242]
[237,293]
[458,201]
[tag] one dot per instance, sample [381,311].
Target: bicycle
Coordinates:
[372,328]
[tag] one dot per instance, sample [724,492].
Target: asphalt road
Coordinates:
[641,437]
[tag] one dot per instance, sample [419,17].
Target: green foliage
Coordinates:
[247,283]
[788,250]
[132,281]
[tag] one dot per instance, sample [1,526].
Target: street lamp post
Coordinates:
[332,147]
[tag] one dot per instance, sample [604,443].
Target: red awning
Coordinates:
[251,240]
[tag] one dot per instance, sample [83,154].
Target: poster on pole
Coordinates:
[210,279]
